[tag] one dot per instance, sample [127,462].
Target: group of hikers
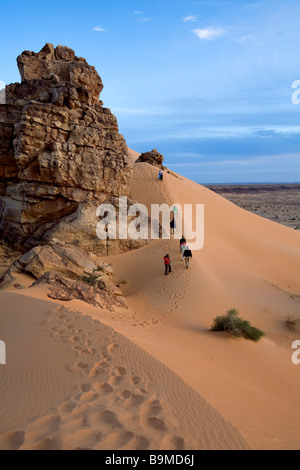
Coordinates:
[184,249]
[185,253]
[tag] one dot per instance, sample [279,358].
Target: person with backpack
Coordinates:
[160,175]
[167,262]
[182,245]
[182,241]
[187,255]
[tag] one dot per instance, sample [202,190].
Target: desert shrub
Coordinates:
[235,326]
[94,277]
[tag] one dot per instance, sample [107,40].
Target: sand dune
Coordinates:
[110,394]
[247,262]
[153,376]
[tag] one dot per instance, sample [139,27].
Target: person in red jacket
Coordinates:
[167,261]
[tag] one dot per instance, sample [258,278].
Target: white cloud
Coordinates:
[136,12]
[144,19]
[2,84]
[209,33]
[192,18]
[98,28]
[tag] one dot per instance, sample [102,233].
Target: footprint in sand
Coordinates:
[118,440]
[48,443]
[103,388]
[85,387]
[116,380]
[96,370]
[112,346]
[12,440]
[88,397]
[135,400]
[136,380]
[125,394]
[105,356]
[155,423]
[118,371]
[81,365]
[74,339]
[67,407]
[151,408]
[173,443]
[83,439]
[105,418]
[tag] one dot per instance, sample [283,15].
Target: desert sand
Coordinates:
[154,376]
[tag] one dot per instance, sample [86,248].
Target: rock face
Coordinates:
[61,154]
[153,158]
[70,272]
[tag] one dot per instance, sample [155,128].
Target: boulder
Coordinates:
[66,290]
[153,158]
[57,258]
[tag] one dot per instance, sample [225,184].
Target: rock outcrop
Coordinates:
[69,272]
[61,154]
[153,158]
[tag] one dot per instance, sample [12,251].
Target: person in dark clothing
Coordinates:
[167,264]
[160,175]
[187,255]
[182,241]
[173,225]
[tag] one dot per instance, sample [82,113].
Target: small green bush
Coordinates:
[93,277]
[235,326]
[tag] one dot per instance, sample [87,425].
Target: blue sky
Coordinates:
[208,83]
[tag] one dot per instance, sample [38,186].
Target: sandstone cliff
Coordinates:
[61,154]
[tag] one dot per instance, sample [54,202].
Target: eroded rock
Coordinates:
[153,158]
[61,154]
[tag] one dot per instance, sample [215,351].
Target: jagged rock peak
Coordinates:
[60,65]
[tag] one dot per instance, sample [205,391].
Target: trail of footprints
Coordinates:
[113,408]
[183,279]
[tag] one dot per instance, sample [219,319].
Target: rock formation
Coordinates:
[69,272]
[153,158]
[61,154]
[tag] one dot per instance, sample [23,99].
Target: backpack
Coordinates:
[187,254]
